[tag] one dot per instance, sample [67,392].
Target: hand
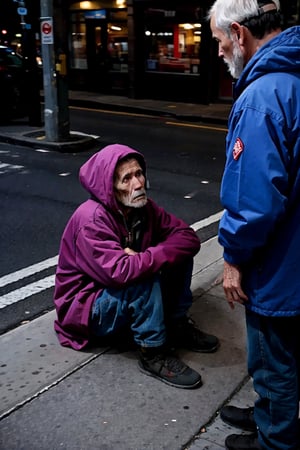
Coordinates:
[129,251]
[232,278]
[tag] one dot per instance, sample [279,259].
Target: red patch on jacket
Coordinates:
[237,149]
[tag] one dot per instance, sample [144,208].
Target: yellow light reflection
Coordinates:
[85,5]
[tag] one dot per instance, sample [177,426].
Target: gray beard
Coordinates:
[236,64]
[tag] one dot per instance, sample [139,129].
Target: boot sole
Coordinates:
[181,386]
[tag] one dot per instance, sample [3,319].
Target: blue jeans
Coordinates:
[146,307]
[273,363]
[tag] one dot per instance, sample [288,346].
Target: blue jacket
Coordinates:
[260,228]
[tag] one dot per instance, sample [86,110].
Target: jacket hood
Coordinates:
[97,174]
[280,54]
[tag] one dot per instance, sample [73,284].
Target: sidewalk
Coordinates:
[19,132]
[55,398]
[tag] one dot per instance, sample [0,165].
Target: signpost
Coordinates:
[47,31]
[56,113]
[50,91]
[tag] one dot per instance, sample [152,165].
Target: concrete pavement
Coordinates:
[56,398]
[214,112]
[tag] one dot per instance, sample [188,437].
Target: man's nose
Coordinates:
[137,183]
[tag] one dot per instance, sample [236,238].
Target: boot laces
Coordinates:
[170,363]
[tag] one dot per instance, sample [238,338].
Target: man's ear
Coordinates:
[236,30]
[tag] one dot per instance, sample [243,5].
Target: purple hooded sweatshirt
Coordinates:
[92,256]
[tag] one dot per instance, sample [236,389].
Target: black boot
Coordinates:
[242,418]
[185,334]
[242,442]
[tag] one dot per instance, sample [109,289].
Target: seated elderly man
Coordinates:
[125,264]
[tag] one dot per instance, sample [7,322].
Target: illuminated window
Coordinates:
[172,45]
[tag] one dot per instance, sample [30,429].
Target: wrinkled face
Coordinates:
[129,184]
[229,50]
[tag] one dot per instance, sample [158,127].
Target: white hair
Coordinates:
[227,11]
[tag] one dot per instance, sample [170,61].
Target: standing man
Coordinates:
[260,228]
[125,266]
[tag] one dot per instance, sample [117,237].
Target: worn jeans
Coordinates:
[146,307]
[273,363]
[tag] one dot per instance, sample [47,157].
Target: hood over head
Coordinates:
[280,54]
[97,174]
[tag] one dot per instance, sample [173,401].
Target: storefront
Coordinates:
[146,49]
[170,44]
[99,47]
[149,48]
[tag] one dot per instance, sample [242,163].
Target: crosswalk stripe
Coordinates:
[27,271]
[26,291]
[207,221]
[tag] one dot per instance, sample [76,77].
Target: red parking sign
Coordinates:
[47,30]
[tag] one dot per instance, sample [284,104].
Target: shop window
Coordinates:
[78,49]
[117,46]
[172,45]
[107,35]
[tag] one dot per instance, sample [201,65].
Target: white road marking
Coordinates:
[84,134]
[48,282]
[191,194]
[207,221]
[27,271]
[26,291]
[4,167]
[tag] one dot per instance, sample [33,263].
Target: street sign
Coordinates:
[22,11]
[47,30]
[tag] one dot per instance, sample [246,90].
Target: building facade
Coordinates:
[159,49]
[145,49]
[150,49]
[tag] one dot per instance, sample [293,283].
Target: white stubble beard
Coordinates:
[128,200]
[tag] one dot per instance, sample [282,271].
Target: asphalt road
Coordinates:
[40,189]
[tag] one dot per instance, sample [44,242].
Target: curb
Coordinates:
[148,111]
[36,140]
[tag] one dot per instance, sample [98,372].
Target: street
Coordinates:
[40,189]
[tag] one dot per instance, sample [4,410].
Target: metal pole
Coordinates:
[49,75]
[61,49]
